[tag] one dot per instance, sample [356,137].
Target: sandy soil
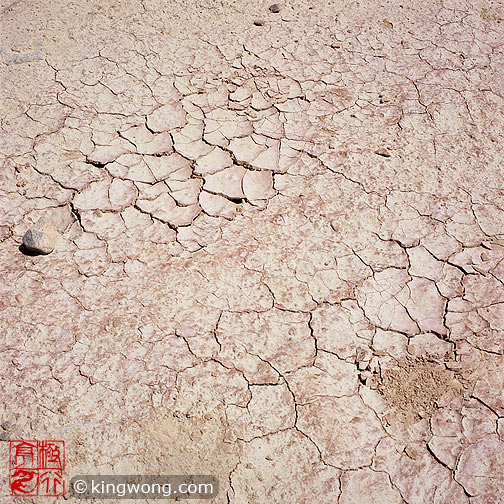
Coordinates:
[281,244]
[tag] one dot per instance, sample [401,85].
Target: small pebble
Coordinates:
[41,238]
[5,436]
[274,8]
[383,153]
[5,233]
[7,425]
[259,22]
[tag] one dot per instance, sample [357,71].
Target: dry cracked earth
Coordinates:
[281,252]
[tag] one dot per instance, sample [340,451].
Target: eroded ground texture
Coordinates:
[282,244]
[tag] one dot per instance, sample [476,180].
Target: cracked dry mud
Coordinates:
[282,246]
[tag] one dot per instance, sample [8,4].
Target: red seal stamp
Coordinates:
[36,468]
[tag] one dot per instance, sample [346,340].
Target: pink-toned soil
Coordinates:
[281,249]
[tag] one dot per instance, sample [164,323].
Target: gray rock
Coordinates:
[274,8]
[7,425]
[42,238]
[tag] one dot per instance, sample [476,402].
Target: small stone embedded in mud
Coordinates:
[258,22]
[383,153]
[7,425]
[41,238]
[274,8]
[5,233]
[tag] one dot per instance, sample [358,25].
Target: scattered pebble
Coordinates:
[383,153]
[5,233]
[274,8]
[7,425]
[41,238]
[259,22]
